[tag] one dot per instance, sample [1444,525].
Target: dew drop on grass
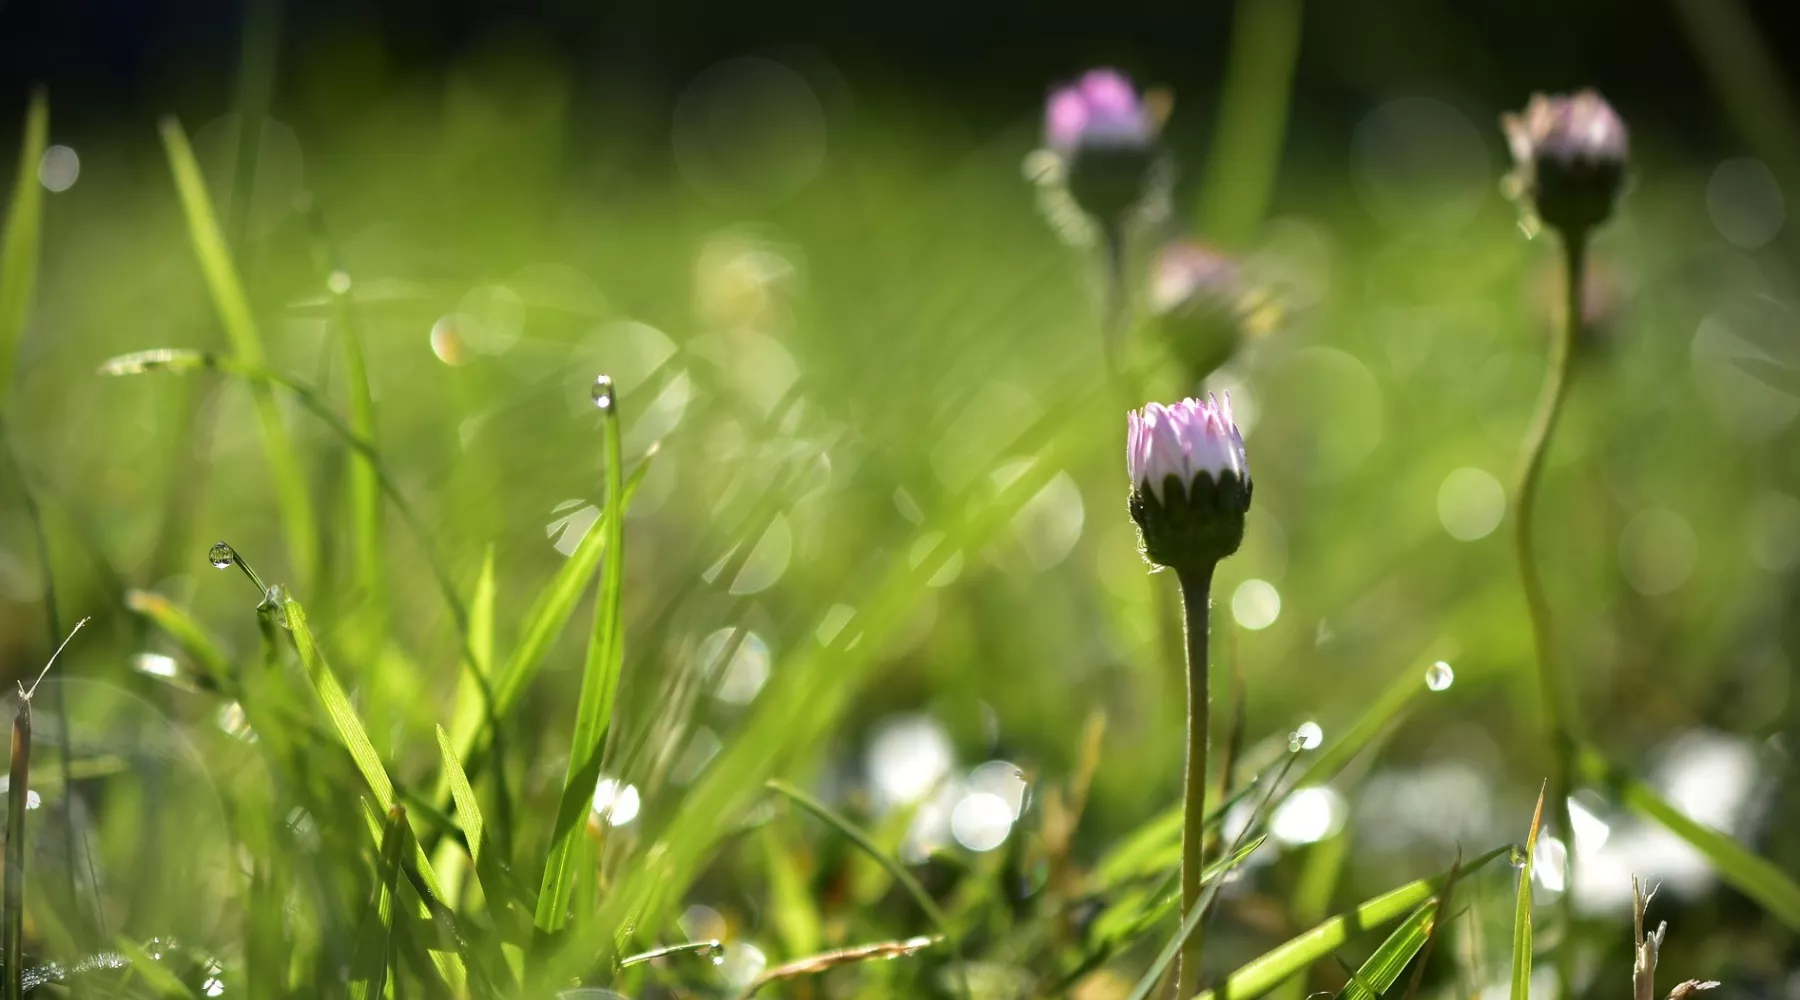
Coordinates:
[1439,676]
[1515,856]
[338,282]
[603,392]
[221,556]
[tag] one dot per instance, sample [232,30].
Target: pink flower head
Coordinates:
[1102,108]
[1185,439]
[1569,157]
[1579,128]
[1189,273]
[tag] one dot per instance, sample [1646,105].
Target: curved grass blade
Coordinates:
[1162,835]
[155,975]
[1521,936]
[182,361]
[894,868]
[1749,874]
[375,937]
[189,634]
[1379,973]
[233,307]
[1264,973]
[1213,876]
[855,835]
[19,244]
[599,679]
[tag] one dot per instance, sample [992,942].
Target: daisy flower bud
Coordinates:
[1199,300]
[1106,138]
[1190,481]
[1569,155]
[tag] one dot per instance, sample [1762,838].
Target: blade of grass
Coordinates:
[19,244]
[851,832]
[599,678]
[813,965]
[189,634]
[375,937]
[235,315]
[1262,974]
[12,925]
[1521,936]
[182,361]
[856,836]
[364,491]
[1319,875]
[1756,877]
[1265,40]
[685,948]
[1382,969]
[468,809]
[1162,834]
[156,975]
[1213,878]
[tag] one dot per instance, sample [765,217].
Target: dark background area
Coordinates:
[115,61]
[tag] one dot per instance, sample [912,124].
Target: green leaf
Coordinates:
[19,243]
[233,308]
[1212,876]
[1521,937]
[470,707]
[375,936]
[189,634]
[1264,973]
[1320,871]
[599,685]
[338,708]
[155,974]
[1382,970]
[1749,874]
[468,810]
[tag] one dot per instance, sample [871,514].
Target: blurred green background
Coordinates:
[809,257]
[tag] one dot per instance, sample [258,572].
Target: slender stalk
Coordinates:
[1196,601]
[1557,717]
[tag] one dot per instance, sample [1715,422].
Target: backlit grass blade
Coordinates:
[1521,935]
[468,810]
[155,975]
[1756,877]
[1213,877]
[12,921]
[1382,969]
[364,489]
[1162,835]
[1262,974]
[19,243]
[375,937]
[338,708]
[233,307]
[1319,874]
[599,678]
[851,832]
[177,624]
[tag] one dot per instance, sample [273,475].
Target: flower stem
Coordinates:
[1196,600]
[1557,717]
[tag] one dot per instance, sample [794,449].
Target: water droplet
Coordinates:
[718,958]
[603,392]
[1515,856]
[1439,676]
[221,555]
[1295,743]
[274,604]
[1307,737]
[338,282]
